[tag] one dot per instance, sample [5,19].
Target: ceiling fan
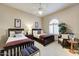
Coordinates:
[40,9]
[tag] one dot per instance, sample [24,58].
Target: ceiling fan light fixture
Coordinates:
[40,12]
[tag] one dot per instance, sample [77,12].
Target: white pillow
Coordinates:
[12,33]
[65,36]
[23,32]
[19,35]
[35,33]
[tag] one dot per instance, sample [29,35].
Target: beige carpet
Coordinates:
[53,49]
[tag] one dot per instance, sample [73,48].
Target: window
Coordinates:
[53,26]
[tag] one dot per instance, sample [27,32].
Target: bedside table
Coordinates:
[29,36]
[72,50]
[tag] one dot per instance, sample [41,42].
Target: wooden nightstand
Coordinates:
[72,45]
[29,36]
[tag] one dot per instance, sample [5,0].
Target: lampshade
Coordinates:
[71,36]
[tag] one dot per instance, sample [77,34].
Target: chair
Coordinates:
[63,40]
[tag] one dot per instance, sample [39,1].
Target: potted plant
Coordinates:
[62,28]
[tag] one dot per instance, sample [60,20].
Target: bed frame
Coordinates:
[46,40]
[14,50]
[14,29]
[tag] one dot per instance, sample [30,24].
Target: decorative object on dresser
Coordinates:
[41,37]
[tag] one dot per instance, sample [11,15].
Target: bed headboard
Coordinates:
[38,31]
[15,30]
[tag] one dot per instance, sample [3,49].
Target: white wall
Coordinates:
[69,15]
[7,16]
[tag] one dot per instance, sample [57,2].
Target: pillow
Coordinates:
[42,31]
[35,33]
[19,35]
[65,36]
[12,33]
[17,32]
[23,32]
[39,32]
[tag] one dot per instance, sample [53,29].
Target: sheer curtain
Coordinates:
[53,26]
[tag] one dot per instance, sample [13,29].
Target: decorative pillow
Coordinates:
[23,32]
[12,33]
[19,35]
[39,32]
[17,32]
[34,33]
[65,36]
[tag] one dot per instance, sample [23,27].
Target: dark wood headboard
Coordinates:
[14,29]
[36,30]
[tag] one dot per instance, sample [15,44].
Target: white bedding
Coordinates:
[10,39]
[35,34]
[38,35]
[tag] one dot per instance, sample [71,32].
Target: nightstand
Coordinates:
[29,36]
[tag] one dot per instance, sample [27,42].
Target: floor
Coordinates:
[53,49]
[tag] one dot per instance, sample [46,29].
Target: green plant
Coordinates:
[62,28]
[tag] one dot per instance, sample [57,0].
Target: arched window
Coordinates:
[53,26]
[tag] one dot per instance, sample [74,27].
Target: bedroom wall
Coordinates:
[7,16]
[68,15]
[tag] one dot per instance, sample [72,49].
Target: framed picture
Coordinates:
[36,25]
[17,23]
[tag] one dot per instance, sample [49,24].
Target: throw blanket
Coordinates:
[18,42]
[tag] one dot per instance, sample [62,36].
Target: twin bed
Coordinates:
[41,37]
[16,42]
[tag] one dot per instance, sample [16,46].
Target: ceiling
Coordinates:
[32,8]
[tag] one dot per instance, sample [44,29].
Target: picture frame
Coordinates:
[17,23]
[36,25]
